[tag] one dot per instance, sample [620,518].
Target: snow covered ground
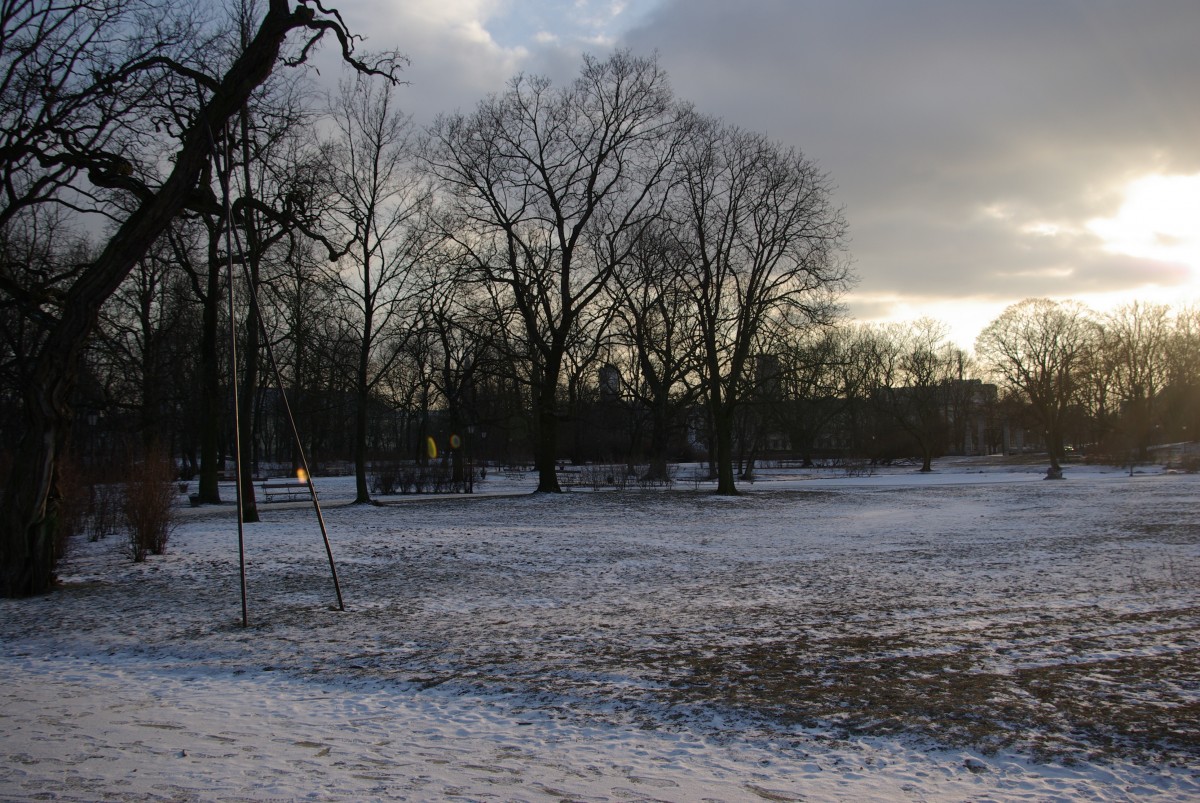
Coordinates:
[977,633]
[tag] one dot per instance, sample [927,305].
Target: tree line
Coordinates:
[1048,374]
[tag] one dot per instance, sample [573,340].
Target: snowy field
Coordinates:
[975,634]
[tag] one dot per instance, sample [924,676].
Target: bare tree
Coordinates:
[41,243]
[83,86]
[1135,339]
[458,317]
[1097,393]
[196,248]
[762,243]
[915,366]
[1182,400]
[1038,349]
[274,198]
[657,323]
[818,377]
[273,189]
[580,392]
[138,338]
[551,188]
[382,208]
[301,308]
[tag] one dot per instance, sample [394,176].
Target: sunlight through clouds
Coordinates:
[1159,219]
[963,317]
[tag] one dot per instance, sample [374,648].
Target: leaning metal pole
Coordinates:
[312,490]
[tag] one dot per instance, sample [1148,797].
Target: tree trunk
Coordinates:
[31,500]
[547,452]
[1055,449]
[723,438]
[546,446]
[248,459]
[362,493]
[152,382]
[926,456]
[659,435]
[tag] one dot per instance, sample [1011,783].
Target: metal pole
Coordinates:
[237,424]
[337,587]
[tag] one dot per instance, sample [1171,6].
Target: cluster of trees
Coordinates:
[1119,382]
[166,184]
[1054,374]
[484,268]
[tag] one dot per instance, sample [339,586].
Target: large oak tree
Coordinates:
[762,248]
[550,188]
[1038,349]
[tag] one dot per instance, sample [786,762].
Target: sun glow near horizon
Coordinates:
[1159,219]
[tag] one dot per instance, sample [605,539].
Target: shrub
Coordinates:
[606,475]
[409,478]
[386,479]
[105,502]
[856,466]
[148,506]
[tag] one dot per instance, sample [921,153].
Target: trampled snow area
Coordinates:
[978,633]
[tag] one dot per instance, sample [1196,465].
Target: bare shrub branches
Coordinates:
[147,505]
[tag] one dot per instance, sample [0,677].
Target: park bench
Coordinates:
[286,490]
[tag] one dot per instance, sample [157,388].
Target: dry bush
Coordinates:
[856,466]
[397,477]
[607,475]
[386,479]
[148,505]
[105,505]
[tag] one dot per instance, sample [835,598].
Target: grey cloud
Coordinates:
[925,112]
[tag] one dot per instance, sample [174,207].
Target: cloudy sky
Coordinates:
[984,151]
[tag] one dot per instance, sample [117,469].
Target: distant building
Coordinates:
[610,382]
